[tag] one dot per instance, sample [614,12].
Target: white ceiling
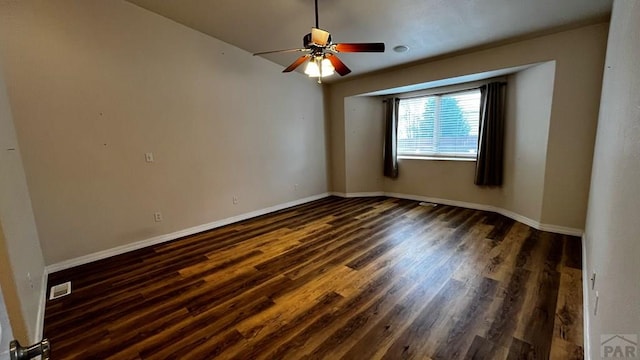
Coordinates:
[428,27]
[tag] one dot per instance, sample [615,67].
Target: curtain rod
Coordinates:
[439,93]
[461,89]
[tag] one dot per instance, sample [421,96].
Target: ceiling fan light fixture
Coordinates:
[313,69]
[321,53]
[320,37]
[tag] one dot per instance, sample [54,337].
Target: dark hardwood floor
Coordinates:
[360,278]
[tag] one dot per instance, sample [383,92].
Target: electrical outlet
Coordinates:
[235,200]
[148,157]
[157,216]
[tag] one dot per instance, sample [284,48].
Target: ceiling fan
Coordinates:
[321,53]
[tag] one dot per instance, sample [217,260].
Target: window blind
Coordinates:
[442,125]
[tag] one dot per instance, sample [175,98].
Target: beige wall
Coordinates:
[525,154]
[572,129]
[94,85]
[20,252]
[364,136]
[578,56]
[439,179]
[529,100]
[530,92]
[611,237]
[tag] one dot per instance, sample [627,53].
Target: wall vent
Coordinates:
[60,290]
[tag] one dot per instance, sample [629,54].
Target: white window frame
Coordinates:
[439,92]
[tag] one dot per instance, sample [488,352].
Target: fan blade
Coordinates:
[359,47]
[340,67]
[296,63]
[280,51]
[320,37]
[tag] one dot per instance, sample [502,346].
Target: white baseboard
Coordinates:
[67,264]
[365,194]
[510,214]
[585,301]
[441,201]
[358,194]
[39,333]
[561,229]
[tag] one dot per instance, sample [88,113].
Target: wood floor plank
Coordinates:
[502,227]
[192,332]
[539,311]
[389,327]
[482,349]
[572,252]
[357,326]
[410,343]
[343,337]
[562,349]
[568,322]
[460,337]
[298,302]
[356,278]
[259,345]
[315,332]
[521,350]
[505,254]
[505,320]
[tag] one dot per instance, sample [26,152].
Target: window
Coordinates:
[443,125]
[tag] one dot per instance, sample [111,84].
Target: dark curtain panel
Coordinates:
[491,138]
[390,156]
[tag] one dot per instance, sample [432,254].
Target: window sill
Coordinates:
[437,158]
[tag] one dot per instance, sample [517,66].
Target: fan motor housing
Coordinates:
[306,41]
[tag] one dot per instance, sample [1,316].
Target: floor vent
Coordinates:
[429,204]
[59,291]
